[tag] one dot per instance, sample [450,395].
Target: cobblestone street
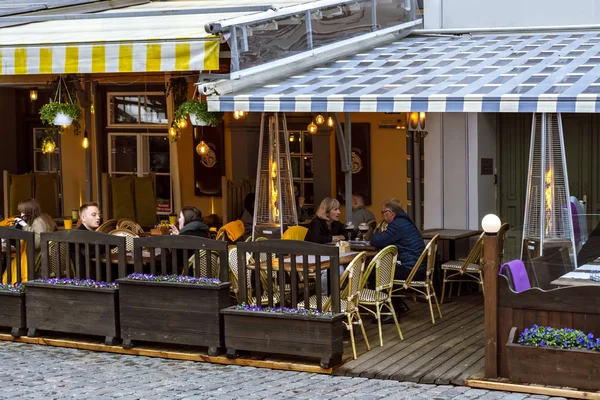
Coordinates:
[43,372]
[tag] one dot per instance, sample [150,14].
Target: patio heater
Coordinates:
[274,205]
[548,225]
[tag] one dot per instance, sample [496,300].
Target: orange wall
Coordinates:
[388,162]
[73,169]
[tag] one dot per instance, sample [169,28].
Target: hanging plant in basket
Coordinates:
[199,116]
[48,143]
[62,111]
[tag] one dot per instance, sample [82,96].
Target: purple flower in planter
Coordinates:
[283,310]
[79,282]
[542,343]
[174,278]
[17,287]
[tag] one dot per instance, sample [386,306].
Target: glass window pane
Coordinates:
[46,162]
[124,109]
[155,110]
[309,193]
[295,142]
[295,161]
[308,149]
[123,149]
[163,193]
[308,168]
[156,154]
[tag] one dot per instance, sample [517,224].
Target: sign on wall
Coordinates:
[361,164]
[209,167]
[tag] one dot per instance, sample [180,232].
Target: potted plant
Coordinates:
[73,306]
[63,114]
[290,331]
[550,356]
[12,308]
[199,114]
[173,309]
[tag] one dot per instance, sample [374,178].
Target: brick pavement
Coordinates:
[42,372]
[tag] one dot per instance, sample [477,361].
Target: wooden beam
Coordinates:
[490,271]
[532,389]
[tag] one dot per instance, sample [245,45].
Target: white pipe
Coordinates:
[552,28]
[240,80]
[273,13]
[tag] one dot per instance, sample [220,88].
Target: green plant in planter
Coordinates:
[48,144]
[48,113]
[193,107]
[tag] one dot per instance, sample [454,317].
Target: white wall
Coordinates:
[452,14]
[456,194]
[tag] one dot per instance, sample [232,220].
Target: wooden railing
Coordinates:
[11,238]
[71,253]
[196,256]
[298,258]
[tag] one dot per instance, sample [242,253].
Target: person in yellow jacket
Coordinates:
[31,219]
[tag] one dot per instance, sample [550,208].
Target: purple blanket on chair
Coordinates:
[518,273]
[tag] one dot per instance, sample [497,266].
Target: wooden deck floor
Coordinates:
[448,352]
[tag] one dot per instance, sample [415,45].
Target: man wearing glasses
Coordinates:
[402,233]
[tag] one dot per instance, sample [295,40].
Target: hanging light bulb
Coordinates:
[312,128]
[172,132]
[182,123]
[92,109]
[292,137]
[320,119]
[330,122]
[202,148]
[33,94]
[49,147]
[85,143]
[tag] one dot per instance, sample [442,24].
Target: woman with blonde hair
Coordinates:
[326,226]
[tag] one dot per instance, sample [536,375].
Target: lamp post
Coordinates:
[491,225]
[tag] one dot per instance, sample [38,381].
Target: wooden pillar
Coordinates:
[490,270]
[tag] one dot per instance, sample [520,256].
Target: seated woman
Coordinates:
[190,223]
[326,226]
[31,219]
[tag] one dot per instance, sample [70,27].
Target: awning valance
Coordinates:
[541,72]
[133,44]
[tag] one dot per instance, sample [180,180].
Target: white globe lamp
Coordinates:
[491,223]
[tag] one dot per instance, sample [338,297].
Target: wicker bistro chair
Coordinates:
[384,264]
[234,279]
[128,235]
[421,288]
[468,270]
[202,262]
[348,298]
[107,226]
[130,225]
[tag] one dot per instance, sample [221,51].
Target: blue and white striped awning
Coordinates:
[541,72]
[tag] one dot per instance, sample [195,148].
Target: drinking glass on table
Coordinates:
[363,228]
[349,230]
[68,223]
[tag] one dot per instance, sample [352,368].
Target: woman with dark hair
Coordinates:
[33,220]
[190,223]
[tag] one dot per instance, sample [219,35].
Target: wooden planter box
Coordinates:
[311,336]
[12,312]
[170,312]
[576,368]
[72,309]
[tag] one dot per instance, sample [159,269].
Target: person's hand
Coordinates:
[337,238]
[173,229]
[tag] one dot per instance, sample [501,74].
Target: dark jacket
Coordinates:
[196,228]
[319,232]
[402,233]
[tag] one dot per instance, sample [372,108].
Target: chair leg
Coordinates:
[378,307]
[351,328]
[443,288]
[391,307]
[436,302]
[362,328]
[430,305]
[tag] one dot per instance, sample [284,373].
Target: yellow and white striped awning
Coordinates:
[111,45]
[110,57]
